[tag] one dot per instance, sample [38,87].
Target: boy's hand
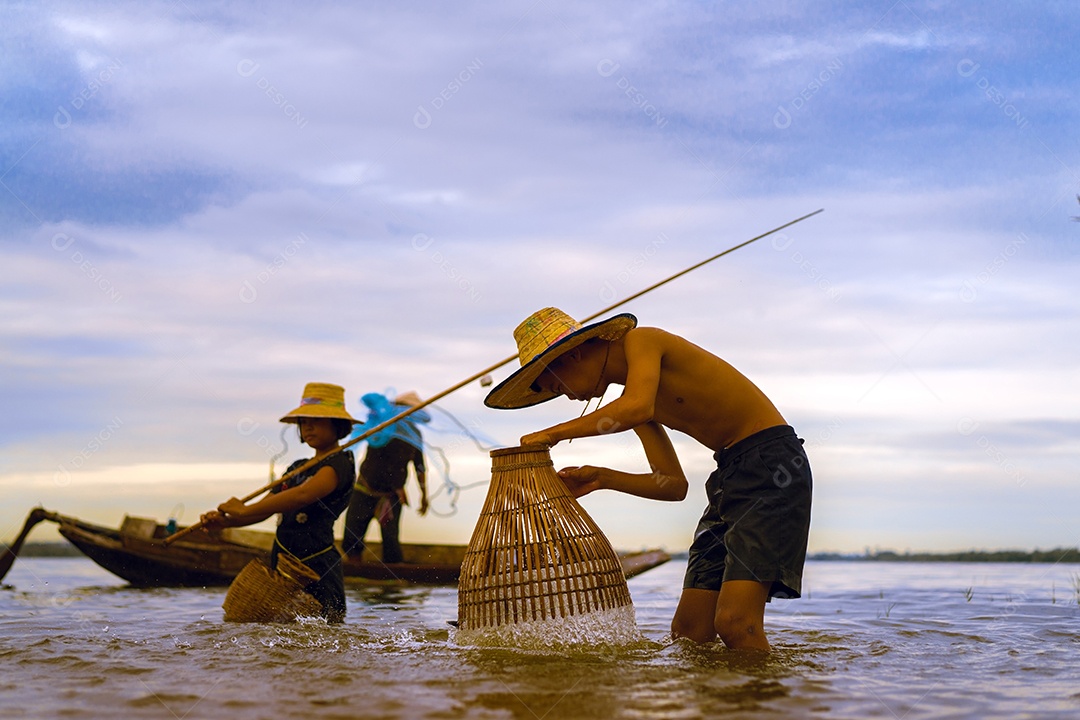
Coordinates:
[581,480]
[538,438]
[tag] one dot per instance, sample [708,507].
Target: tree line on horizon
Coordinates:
[1057,555]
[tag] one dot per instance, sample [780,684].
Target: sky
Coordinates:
[204,207]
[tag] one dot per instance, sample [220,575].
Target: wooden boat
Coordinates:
[137,553]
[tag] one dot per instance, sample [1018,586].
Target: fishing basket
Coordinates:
[262,594]
[535,554]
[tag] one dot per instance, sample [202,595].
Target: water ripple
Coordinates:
[907,645]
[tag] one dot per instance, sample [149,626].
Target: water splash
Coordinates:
[613,627]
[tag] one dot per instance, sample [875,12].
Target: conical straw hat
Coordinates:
[320,400]
[535,553]
[541,338]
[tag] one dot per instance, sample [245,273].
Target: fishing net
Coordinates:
[538,569]
[380,409]
[385,406]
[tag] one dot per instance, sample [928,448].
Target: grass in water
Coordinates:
[888,610]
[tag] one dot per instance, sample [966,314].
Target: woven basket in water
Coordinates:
[535,553]
[260,594]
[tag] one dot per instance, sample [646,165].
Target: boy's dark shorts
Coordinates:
[758,518]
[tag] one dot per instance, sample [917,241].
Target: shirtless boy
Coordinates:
[750,544]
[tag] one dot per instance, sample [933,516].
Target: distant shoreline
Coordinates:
[1057,555]
[1062,555]
[47,549]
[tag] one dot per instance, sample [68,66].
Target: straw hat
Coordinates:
[411,399]
[321,400]
[541,338]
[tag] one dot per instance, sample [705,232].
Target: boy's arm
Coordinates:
[420,467]
[628,411]
[666,481]
[421,480]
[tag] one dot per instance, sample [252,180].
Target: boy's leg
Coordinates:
[740,614]
[736,613]
[694,617]
[391,542]
[357,518]
[705,564]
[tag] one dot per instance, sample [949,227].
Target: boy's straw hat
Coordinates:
[542,337]
[321,400]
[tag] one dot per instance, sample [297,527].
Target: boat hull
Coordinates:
[137,553]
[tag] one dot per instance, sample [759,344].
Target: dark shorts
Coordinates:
[758,518]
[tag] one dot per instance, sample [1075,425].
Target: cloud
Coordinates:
[233,203]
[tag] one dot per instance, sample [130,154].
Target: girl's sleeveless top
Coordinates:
[309,530]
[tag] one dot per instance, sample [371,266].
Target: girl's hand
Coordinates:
[581,480]
[213,521]
[232,506]
[538,438]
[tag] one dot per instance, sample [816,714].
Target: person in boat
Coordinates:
[380,485]
[750,544]
[311,501]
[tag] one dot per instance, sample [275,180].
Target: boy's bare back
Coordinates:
[695,392]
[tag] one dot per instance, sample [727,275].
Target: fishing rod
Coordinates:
[486,371]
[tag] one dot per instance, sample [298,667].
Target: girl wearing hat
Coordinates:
[311,501]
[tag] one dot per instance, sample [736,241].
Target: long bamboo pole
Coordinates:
[488,370]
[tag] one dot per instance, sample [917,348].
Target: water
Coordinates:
[871,640]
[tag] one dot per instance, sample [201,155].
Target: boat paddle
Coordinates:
[8,558]
[486,371]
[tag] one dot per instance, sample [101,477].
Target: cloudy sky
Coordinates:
[203,208]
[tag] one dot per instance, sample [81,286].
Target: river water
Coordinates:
[868,640]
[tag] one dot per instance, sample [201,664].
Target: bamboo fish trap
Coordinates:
[537,564]
[261,594]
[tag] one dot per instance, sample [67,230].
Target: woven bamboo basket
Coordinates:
[535,554]
[261,594]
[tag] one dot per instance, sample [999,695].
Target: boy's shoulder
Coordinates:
[644,333]
[660,338]
[674,353]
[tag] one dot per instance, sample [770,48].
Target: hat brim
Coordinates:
[516,391]
[315,411]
